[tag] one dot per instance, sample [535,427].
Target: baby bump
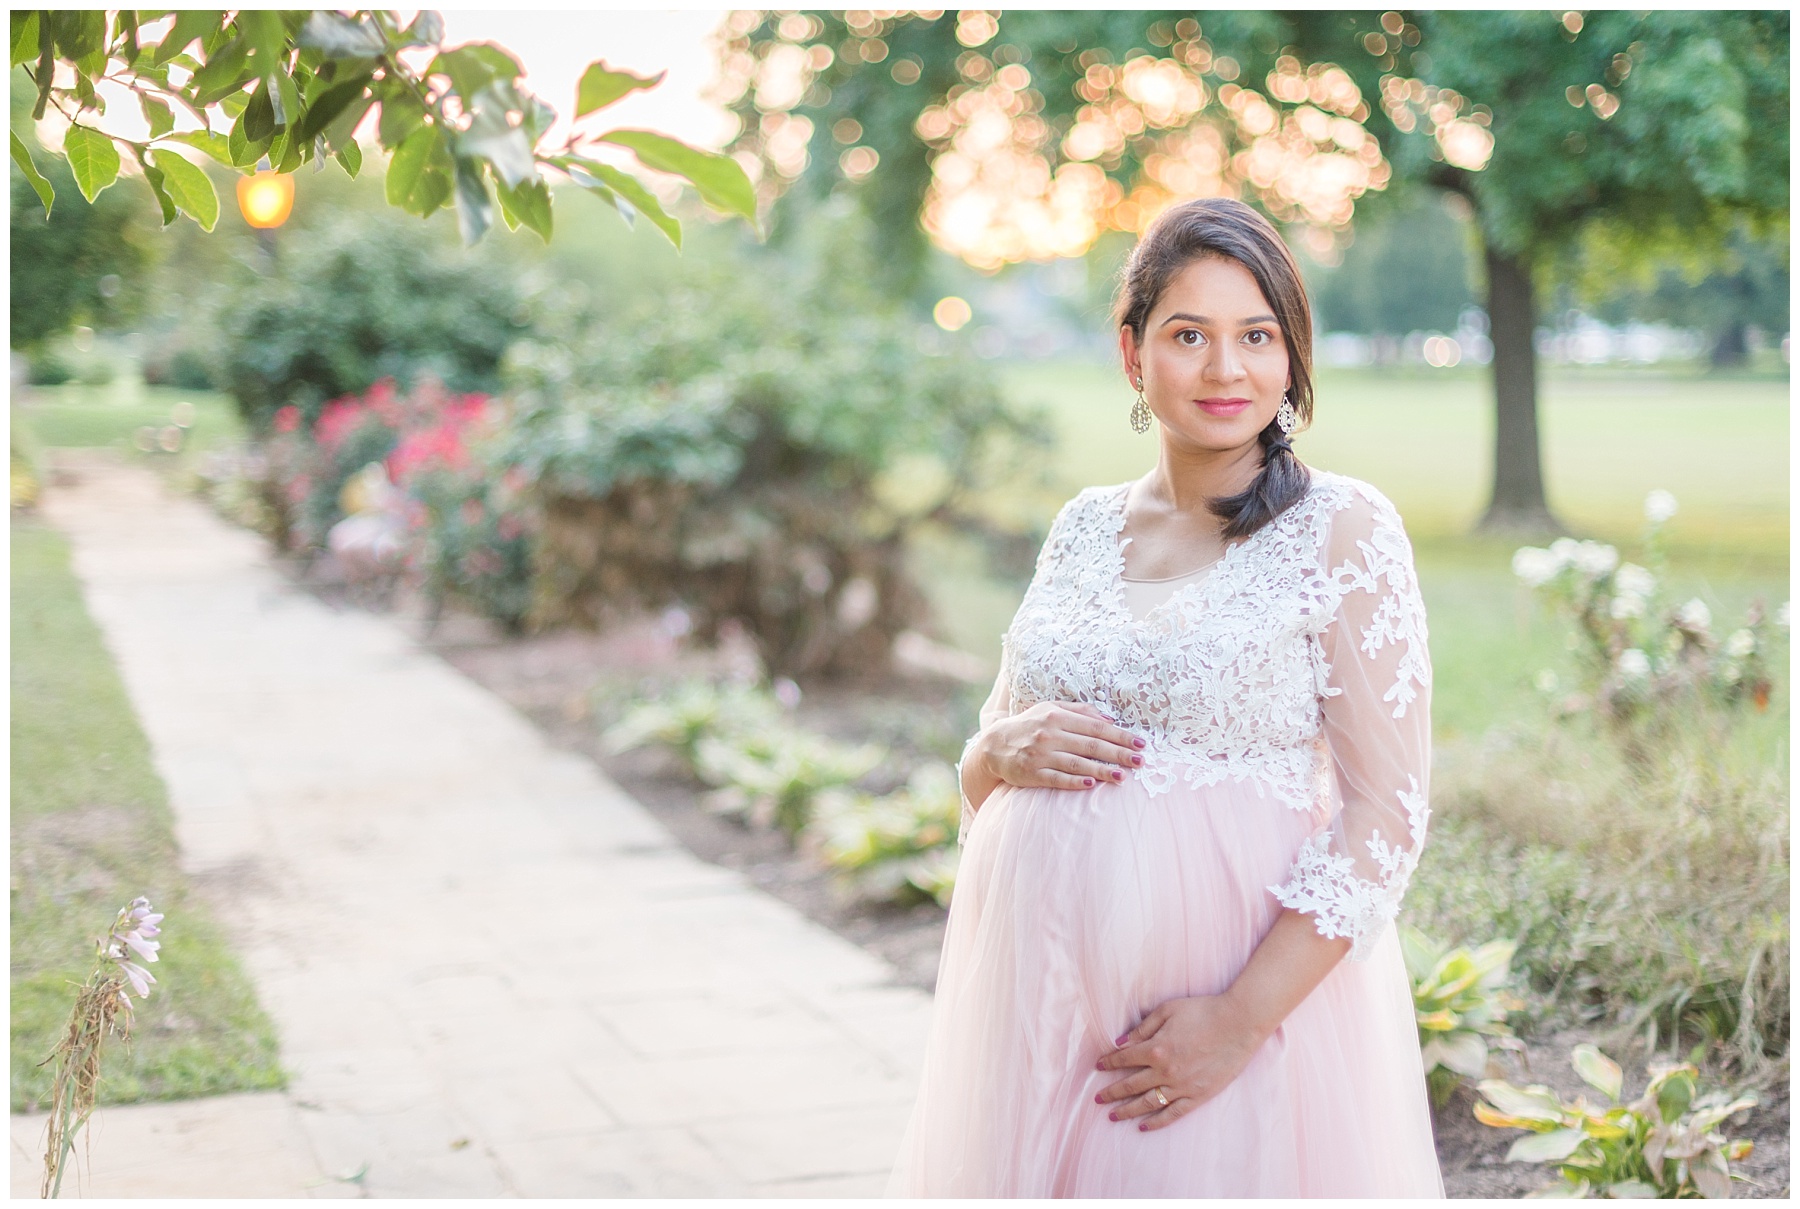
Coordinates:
[1118,900]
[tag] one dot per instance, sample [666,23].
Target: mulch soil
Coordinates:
[550,678]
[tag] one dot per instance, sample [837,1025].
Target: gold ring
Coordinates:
[1156,1093]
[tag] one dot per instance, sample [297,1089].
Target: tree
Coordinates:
[1627,132]
[292,87]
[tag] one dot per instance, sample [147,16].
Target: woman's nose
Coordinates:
[1225,365]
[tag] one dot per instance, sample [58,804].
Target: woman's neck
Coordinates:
[1184,480]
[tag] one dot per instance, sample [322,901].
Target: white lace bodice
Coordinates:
[1298,664]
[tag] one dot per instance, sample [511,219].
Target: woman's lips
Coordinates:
[1223,407]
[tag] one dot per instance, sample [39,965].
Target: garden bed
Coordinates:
[551,678]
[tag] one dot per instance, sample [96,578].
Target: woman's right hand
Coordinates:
[1058,745]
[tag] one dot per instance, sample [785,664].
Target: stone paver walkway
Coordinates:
[492,972]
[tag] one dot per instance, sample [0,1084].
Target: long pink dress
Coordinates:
[1284,699]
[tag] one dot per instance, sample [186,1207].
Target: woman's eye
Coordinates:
[1258,337]
[1188,336]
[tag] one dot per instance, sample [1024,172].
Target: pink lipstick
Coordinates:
[1223,407]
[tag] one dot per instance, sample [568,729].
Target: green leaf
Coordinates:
[409,162]
[190,23]
[243,150]
[265,35]
[153,176]
[350,157]
[24,35]
[474,208]
[527,205]
[285,99]
[329,104]
[491,138]
[602,85]
[233,104]
[258,121]
[1465,1053]
[1550,1147]
[226,71]
[432,192]
[1534,1103]
[157,114]
[341,37]
[1632,1190]
[719,178]
[80,36]
[473,67]
[188,187]
[342,131]
[285,154]
[22,157]
[1674,1096]
[401,114]
[92,158]
[215,145]
[427,29]
[628,187]
[1597,1070]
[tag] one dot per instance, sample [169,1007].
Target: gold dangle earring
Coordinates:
[1140,411]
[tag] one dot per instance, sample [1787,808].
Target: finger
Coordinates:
[1134,1084]
[1050,778]
[1092,711]
[1081,766]
[1163,1118]
[1103,750]
[1143,1105]
[1100,726]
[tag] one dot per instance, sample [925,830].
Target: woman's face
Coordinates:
[1213,362]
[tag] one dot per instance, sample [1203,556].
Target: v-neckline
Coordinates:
[1115,594]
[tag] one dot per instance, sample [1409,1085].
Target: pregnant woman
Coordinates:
[1196,797]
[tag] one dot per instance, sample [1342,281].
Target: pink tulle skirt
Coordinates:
[1075,914]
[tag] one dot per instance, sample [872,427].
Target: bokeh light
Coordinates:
[952,313]
[266,199]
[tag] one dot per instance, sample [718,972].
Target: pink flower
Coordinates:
[132,933]
[287,419]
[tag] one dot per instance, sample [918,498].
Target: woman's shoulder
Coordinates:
[1087,503]
[1332,494]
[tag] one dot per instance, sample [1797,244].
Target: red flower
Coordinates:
[287,419]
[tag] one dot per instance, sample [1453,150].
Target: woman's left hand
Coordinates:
[1191,1049]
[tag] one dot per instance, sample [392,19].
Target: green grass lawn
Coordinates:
[90,831]
[1424,438]
[75,416]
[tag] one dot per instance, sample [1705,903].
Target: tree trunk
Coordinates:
[1518,502]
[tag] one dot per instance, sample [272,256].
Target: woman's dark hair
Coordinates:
[1228,229]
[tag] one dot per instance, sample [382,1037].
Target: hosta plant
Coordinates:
[773,776]
[693,711]
[897,846]
[1461,1001]
[1669,1142]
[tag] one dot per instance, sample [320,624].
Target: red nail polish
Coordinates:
[1099,1099]
[1123,1038]
[1137,742]
[1143,1129]
[1137,760]
[1112,1116]
[1088,781]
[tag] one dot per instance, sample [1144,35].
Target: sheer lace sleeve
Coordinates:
[1375,690]
[997,706]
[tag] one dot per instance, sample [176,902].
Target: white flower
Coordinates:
[1535,566]
[1633,580]
[1594,559]
[1781,615]
[132,933]
[1659,506]
[1740,644]
[1625,605]
[1564,549]
[1694,615]
[1633,664]
[1546,681]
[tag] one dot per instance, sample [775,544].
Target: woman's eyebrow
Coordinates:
[1184,316]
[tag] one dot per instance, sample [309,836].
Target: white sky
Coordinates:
[557,45]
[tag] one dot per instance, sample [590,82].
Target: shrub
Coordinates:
[1667,1143]
[900,846]
[1461,1003]
[718,447]
[369,297]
